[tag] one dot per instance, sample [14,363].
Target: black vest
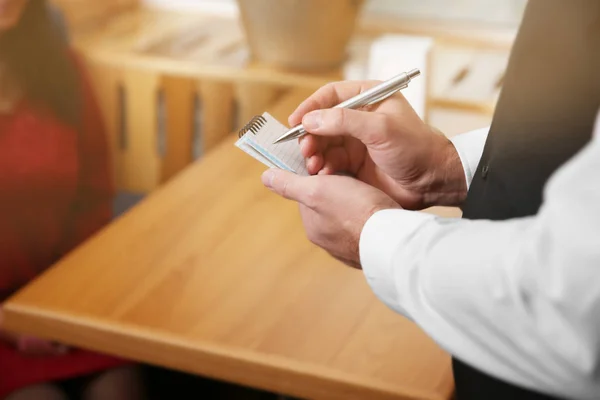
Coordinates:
[545,114]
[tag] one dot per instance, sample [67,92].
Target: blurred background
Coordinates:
[175,77]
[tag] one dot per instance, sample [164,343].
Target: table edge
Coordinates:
[241,365]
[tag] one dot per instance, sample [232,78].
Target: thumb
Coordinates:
[287,184]
[368,127]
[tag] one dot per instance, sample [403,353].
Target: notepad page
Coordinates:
[260,145]
[243,144]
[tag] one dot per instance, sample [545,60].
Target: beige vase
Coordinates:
[299,34]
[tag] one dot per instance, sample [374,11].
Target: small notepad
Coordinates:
[257,137]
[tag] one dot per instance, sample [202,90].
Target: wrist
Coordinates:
[447,183]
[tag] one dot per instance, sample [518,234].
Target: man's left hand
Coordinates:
[334,209]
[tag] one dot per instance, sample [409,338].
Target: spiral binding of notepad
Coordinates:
[259,144]
[253,125]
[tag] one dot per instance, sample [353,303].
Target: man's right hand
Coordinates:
[387,146]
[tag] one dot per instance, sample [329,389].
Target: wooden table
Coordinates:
[212,274]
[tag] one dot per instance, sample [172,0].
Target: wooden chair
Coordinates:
[160,118]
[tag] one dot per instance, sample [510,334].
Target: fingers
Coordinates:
[314,148]
[60,348]
[310,145]
[315,163]
[36,346]
[370,128]
[336,160]
[289,185]
[329,96]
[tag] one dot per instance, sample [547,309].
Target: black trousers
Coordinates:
[472,384]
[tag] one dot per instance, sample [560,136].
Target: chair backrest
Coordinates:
[158,123]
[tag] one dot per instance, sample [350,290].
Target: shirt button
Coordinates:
[484,171]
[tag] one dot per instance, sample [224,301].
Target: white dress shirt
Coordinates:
[517,299]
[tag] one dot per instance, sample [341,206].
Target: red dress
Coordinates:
[55,191]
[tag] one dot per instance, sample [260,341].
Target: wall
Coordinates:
[504,12]
[85,13]
[226,7]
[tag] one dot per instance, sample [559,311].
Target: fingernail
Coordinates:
[292,118]
[267,178]
[312,120]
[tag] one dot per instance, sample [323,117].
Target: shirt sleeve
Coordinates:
[517,299]
[469,147]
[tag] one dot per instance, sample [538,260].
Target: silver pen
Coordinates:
[374,95]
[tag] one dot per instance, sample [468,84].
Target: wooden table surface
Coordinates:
[212,274]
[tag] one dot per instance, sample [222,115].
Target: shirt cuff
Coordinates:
[382,237]
[469,147]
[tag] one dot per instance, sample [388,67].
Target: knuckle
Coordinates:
[331,86]
[386,124]
[381,128]
[313,196]
[337,118]
[368,84]
[327,91]
[323,97]
[285,189]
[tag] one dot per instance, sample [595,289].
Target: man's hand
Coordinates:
[387,146]
[31,346]
[334,209]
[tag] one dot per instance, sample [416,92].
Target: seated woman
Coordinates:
[55,191]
